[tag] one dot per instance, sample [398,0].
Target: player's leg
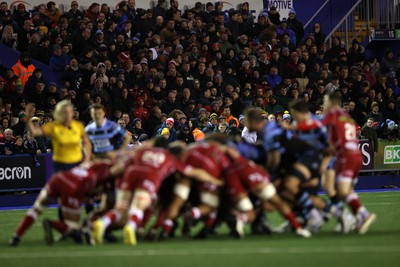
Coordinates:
[181,192]
[244,213]
[140,202]
[68,226]
[299,174]
[209,202]
[328,185]
[116,215]
[267,193]
[345,188]
[30,217]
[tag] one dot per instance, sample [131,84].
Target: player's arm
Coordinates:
[127,140]
[30,112]
[201,175]
[288,126]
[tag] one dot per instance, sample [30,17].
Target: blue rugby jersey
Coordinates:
[106,138]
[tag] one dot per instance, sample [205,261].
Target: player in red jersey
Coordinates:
[342,133]
[146,170]
[244,176]
[70,188]
[210,158]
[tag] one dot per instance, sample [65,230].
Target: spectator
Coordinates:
[138,130]
[185,135]
[319,36]
[168,129]
[18,147]
[369,132]
[58,61]
[296,26]
[20,15]
[274,16]
[53,12]
[31,147]
[7,141]
[375,115]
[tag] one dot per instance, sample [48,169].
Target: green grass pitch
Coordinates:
[380,247]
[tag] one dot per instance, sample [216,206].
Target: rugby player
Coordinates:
[146,170]
[70,188]
[285,160]
[210,158]
[245,176]
[342,133]
[105,135]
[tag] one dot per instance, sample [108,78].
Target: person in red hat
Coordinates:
[293,65]
[140,111]
[20,15]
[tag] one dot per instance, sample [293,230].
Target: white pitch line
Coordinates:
[380,203]
[199,252]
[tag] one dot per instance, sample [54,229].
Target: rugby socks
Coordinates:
[292,220]
[305,203]
[355,205]
[210,220]
[160,220]
[336,208]
[195,213]
[29,218]
[135,217]
[110,217]
[168,225]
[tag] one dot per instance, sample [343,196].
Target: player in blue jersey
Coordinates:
[285,156]
[316,157]
[105,135]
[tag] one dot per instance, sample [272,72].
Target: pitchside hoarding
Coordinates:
[367,152]
[388,156]
[19,173]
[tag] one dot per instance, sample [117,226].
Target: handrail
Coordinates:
[316,13]
[343,20]
[362,28]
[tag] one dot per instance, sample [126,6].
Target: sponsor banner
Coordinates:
[367,152]
[65,5]
[388,156]
[20,173]
[282,6]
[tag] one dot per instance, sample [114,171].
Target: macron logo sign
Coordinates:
[15,173]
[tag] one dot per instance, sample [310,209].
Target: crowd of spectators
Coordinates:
[184,73]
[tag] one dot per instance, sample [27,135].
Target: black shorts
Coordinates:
[312,160]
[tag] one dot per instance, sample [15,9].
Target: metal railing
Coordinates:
[386,13]
[364,17]
[329,14]
[355,19]
[346,23]
[316,14]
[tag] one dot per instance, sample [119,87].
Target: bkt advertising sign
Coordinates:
[388,156]
[391,154]
[19,173]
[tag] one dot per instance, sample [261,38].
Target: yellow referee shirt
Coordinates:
[67,141]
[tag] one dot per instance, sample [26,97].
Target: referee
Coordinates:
[105,135]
